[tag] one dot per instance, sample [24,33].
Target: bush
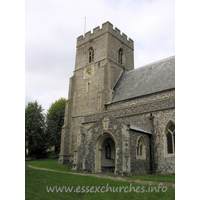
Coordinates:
[53,155]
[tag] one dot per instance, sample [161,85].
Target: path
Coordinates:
[109,177]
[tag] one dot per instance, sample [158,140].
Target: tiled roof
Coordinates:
[155,77]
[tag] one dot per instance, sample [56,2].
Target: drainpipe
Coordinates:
[152,159]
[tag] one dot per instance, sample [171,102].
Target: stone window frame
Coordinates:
[140,144]
[120,56]
[91,55]
[166,132]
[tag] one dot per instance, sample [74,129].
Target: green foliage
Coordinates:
[52,155]
[34,129]
[54,122]
[40,135]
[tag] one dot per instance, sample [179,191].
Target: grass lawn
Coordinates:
[37,181]
[157,178]
[51,164]
[150,177]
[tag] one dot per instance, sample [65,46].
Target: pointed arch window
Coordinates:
[91,55]
[140,149]
[120,56]
[170,138]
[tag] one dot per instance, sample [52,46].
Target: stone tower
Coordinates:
[101,58]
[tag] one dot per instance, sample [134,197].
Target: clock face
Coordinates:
[89,70]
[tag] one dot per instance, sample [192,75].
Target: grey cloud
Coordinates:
[53,26]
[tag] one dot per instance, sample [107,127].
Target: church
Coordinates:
[118,119]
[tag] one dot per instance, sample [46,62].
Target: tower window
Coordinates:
[120,54]
[91,55]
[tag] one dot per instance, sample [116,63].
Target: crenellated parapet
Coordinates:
[107,27]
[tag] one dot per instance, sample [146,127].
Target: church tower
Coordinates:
[101,59]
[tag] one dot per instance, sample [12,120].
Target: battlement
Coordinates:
[106,27]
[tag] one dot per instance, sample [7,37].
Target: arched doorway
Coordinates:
[105,158]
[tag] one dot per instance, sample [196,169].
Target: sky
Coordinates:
[52,28]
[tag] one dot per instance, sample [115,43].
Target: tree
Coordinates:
[34,129]
[54,122]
